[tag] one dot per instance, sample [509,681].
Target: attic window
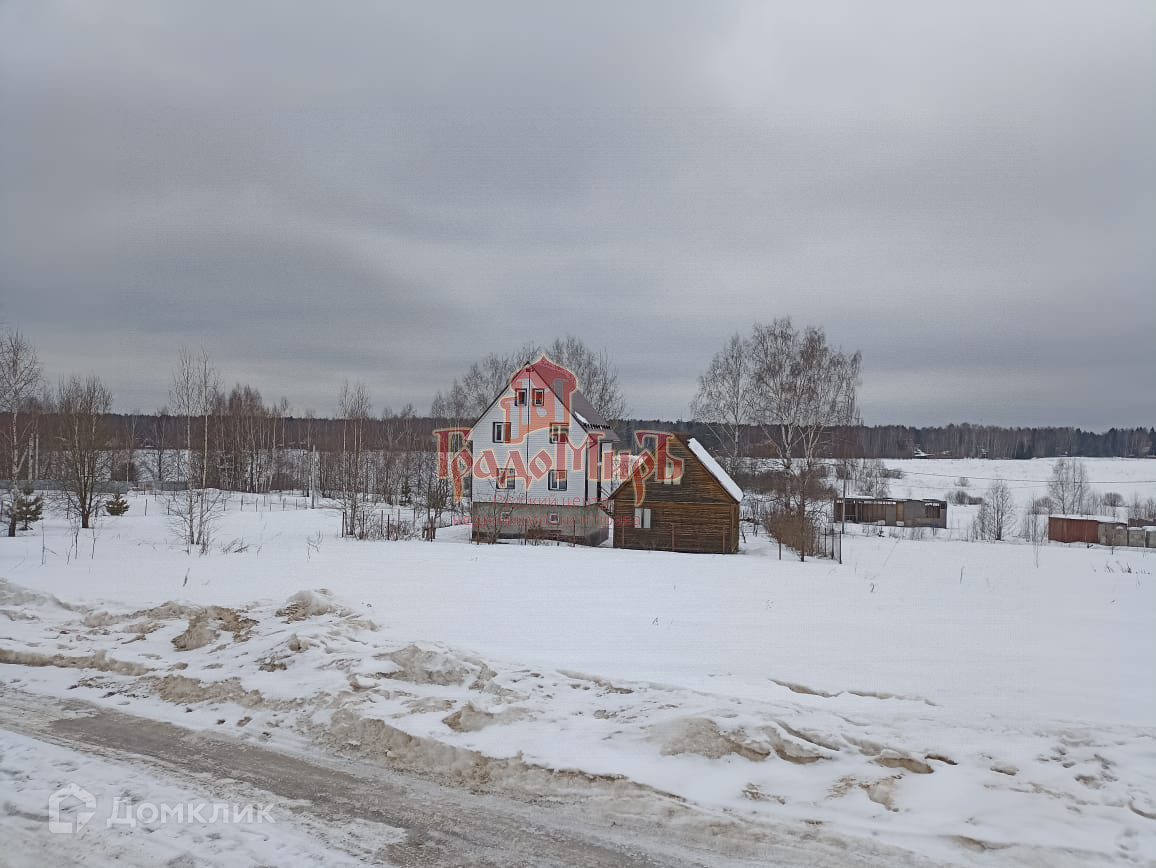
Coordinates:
[519,397]
[539,397]
[559,432]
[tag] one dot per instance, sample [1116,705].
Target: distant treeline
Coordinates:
[152,431]
[954,441]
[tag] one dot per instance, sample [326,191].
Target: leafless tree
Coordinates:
[354,408]
[124,465]
[873,478]
[993,521]
[192,395]
[21,380]
[1142,508]
[277,414]
[597,376]
[160,428]
[397,438]
[243,436]
[469,395]
[724,397]
[427,490]
[1068,487]
[1034,528]
[1111,502]
[84,443]
[802,389]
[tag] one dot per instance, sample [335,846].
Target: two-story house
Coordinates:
[537,455]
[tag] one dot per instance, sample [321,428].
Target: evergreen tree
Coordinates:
[27,507]
[116,505]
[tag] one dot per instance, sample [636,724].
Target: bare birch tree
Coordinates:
[597,376]
[724,398]
[159,430]
[192,395]
[21,379]
[1068,488]
[469,395]
[354,408]
[84,444]
[993,521]
[802,389]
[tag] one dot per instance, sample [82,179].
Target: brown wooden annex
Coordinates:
[1091,529]
[699,513]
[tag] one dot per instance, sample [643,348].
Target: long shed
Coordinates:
[699,512]
[891,511]
[1090,529]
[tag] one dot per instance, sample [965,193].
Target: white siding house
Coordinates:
[535,457]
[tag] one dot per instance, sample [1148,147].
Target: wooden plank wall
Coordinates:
[695,516]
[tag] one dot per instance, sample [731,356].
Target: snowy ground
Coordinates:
[954,699]
[30,768]
[1025,479]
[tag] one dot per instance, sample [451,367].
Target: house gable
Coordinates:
[699,482]
[563,402]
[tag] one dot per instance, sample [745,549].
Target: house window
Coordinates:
[557,480]
[642,518]
[669,477]
[553,518]
[506,480]
[519,397]
[506,514]
[539,397]
[501,432]
[559,432]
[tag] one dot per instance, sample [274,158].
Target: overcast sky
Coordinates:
[386,191]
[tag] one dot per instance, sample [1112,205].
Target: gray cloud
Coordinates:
[381,191]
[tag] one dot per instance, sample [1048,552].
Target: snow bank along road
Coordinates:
[344,813]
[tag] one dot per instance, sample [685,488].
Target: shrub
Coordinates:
[26,508]
[116,505]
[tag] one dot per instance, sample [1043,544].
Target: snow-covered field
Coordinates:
[1025,479]
[975,703]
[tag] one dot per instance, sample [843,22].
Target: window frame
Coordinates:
[559,432]
[539,397]
[500,433]
[557,480]
[642,518]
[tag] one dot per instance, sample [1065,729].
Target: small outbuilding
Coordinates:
[891,512]
[695,511]
[1088,529]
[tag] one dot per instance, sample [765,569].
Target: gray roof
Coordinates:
[581,406]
